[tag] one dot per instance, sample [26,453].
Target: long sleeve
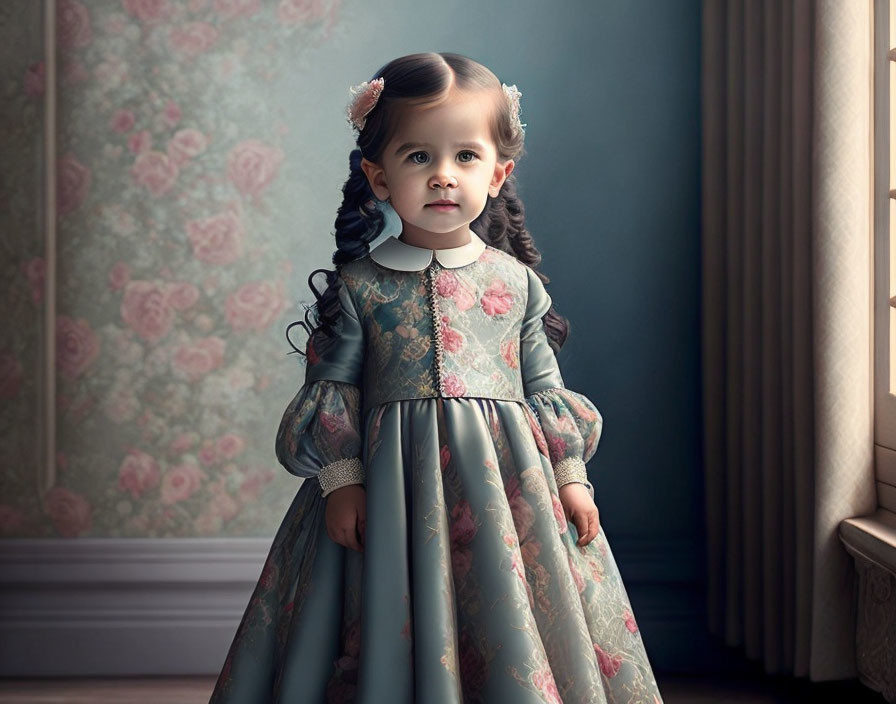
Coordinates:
[319,434]
[571,423]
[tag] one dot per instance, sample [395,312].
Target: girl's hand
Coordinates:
[580,508]
[346,516]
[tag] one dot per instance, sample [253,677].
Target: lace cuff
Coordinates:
[340,473]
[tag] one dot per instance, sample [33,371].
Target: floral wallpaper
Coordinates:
[177,265]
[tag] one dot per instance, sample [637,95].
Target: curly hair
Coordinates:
[425,79]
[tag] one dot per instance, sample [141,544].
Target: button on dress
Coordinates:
[441,395]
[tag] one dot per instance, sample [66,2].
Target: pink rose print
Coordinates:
[180,482]
[73,25]
[463,299]
[147,310]
[186,144]
[559,514]
[35,270]
[182,295]
[217,239]
[72,184]
[183,442]
[34,81]
[228,9]
[510,354]
[576,573]
[255,306]
[77,346]
[461,562]
[558,447]
[609,664]
[154,171]
[138,472]
[454,385]
[497,299]
[208,453]
[10,375]
[198,358]
[630,622]
[192,38]
[252,165]
[147,10]
[446,283]
[68,511]
[463,527]
[544,681]
[122,121]
[444,457]
[452,340]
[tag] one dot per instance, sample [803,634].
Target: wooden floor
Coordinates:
[196,690]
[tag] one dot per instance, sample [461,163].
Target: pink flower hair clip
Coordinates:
[513,97]
[366,95]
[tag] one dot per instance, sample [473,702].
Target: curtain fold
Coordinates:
[787,253]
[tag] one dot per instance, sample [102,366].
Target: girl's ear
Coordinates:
[376,177]
[502,171]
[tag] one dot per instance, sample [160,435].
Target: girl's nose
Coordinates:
[442,180]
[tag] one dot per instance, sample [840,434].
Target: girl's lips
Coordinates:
[442,206]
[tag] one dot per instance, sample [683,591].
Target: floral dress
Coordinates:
[441,395]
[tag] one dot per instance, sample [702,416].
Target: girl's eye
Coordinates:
[413,156]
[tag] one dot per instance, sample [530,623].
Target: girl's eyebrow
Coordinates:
[459,145]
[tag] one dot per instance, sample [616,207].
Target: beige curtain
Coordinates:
[787,251]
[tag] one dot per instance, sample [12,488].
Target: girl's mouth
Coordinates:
[442,208]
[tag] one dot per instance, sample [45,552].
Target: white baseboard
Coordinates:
[119,607]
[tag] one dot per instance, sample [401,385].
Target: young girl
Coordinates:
[448,549]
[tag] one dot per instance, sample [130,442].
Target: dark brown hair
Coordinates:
[416,80]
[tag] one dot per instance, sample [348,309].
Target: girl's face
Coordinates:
[443,152]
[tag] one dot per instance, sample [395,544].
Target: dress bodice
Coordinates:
[452,328]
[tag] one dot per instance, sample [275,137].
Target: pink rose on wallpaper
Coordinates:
[72,25]
[34,80]
[192,38]
[254,306]
[253,483]
[147,10]
[68,511]
[294,12]
[35,270]
[228,9]
[187,144]
[217,239]
[497,299]
[140,142]
[172,113]
[183,442]
[180,482]
[12,519]
[122,121]
[137,473]
[252,165]
[145,309]
[77,346]
[72,184]
[454,385]
[230,445]
[119,275]
[182,295]
[155,171]
[221,504]
[10,375]
[198,358]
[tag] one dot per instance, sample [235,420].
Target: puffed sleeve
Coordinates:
[319,434]
[571,423]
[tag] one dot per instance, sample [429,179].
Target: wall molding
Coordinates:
[171,606]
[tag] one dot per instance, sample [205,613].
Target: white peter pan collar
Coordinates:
[395,254]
